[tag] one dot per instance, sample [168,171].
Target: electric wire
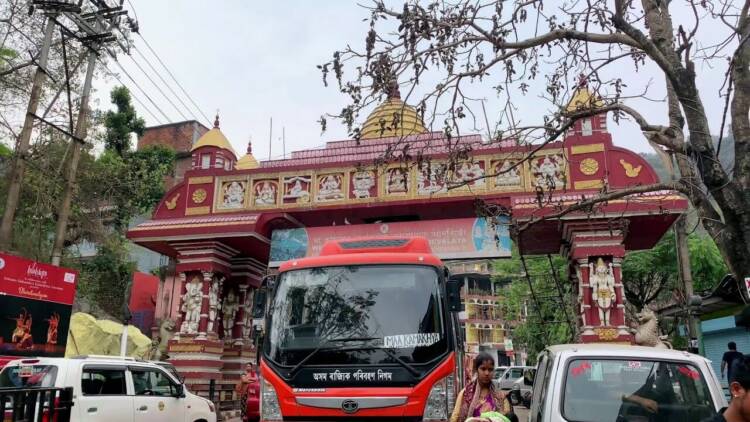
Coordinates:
[148,62]
[132,94]
[175,79]
[148,97]
[158,88]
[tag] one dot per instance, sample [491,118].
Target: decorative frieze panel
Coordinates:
[481,175]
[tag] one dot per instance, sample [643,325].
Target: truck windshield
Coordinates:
[370,314]
[634,390]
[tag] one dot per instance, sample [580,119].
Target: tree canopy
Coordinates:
[450,55]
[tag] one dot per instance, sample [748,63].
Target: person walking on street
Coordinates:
[249,377]
[729,358]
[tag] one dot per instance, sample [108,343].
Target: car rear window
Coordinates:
[21,376]
[635,390]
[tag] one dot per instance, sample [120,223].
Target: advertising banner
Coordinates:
[35,305]
[458,238]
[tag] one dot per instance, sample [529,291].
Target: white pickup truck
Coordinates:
[112,389]
[619,383]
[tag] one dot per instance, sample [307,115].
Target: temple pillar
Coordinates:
[596,257]
[182,277]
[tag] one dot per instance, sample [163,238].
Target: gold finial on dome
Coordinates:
[214,138]
[247,161]
[393,117]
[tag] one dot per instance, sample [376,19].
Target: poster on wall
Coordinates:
[458,238]
[36,300]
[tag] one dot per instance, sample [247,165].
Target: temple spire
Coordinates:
[216,121]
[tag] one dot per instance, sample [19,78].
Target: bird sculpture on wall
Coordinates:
[172,203]
[630,171]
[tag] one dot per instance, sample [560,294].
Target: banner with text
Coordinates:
[459,238]
[35,304]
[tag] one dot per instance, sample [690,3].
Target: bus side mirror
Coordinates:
[453,290]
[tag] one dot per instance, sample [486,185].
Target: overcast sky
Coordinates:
[255,60]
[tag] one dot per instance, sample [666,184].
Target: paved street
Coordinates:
[522,413]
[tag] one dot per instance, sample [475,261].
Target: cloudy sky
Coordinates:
[255,60]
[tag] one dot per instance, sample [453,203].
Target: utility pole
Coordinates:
[24,140]
[70,175]
[686,276]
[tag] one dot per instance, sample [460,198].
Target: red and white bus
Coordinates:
[368,329]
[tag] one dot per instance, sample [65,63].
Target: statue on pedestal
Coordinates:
[191,306]
[602,281]
[214,305]
[231,306]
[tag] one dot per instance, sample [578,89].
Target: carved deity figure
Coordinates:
[191,306]
[231,306]
[548,173]
[330,188]
[507,175]
[363,181]
[602,280]
[214,304]
[265,193]
[234,195]
[428,179]
[247,328]
[471,173]
[397,181]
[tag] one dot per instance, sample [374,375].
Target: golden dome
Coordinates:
[583,99]
[247,161]
[214,138]
[380,123]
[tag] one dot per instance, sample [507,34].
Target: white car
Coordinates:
[505,381]
[112,389]
[620,383]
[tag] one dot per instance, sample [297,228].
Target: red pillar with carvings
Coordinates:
[596,254]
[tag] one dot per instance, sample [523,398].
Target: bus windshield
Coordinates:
[369,314]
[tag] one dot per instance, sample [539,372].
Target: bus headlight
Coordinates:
[269,403]
[440,401]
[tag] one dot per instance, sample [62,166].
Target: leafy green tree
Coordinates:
[121,124]
[544,317]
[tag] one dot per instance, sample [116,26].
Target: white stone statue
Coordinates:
[362,182]
[548,172]
[397,181]
[265,193]
[247,328]
[234,195]
[507,175]
[602,281]
[214,304]
[330,188]
[471,173]
[191,306]
[297,187]
[231,306]
[647,333]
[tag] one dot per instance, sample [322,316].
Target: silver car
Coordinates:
[511,375]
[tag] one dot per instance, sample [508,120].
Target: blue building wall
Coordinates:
[716,334]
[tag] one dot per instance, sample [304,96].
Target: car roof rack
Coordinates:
[126,358]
